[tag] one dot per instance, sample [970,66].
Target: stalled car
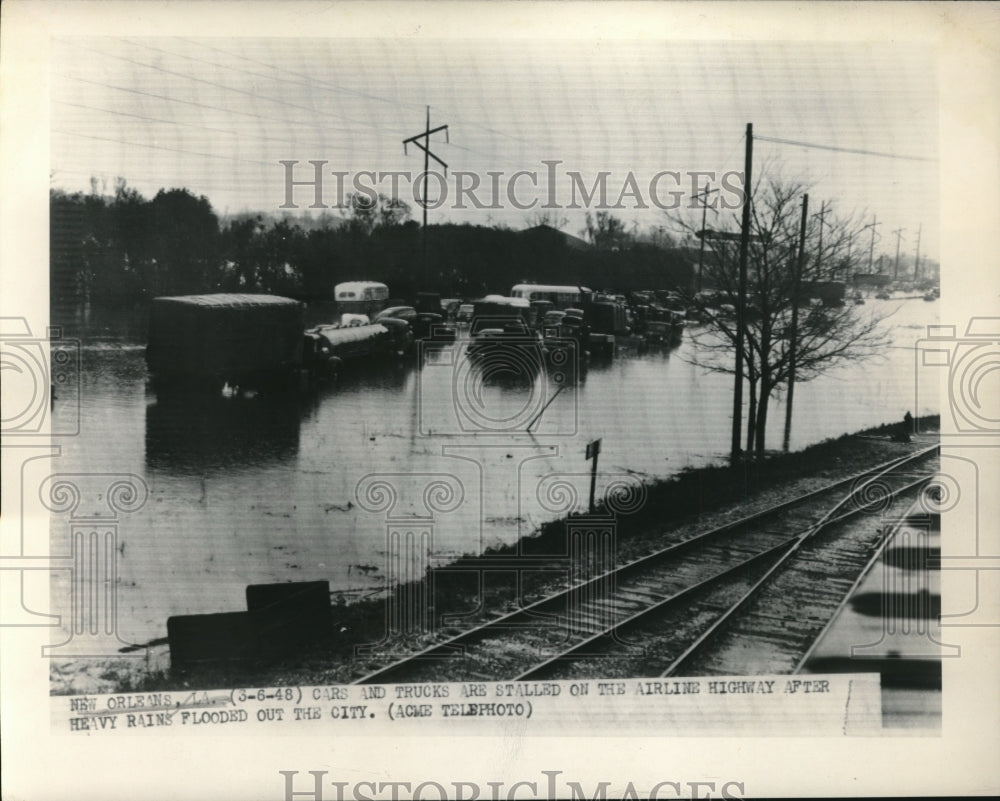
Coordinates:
[465,312]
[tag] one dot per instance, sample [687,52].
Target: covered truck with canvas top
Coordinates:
[205,341]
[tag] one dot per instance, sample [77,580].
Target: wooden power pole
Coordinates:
[426,147]
[741,306]
[895,270]
[703,197]
[795,322]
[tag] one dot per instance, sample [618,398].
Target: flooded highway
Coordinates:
[250,490]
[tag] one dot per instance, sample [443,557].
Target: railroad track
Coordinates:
[776,621]
[653,612]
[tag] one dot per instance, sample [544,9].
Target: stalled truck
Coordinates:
[201,342]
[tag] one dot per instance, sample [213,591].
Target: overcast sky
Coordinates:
[217,115]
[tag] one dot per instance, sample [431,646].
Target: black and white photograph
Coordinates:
[578,379]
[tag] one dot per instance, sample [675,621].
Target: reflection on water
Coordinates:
[195,433]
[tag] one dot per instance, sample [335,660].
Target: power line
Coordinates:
[309,78]
[188,124]
[308,82]
[174,99]
[357,93]
[302,79]
[240,134]
[162,147]
[254,95]
[842,149]
[312,80]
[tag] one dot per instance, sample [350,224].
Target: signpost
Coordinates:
[593,451]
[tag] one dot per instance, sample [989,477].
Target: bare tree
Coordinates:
[607,232]
[546,218]
[827,333]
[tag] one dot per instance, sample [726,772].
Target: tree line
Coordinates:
[126,248]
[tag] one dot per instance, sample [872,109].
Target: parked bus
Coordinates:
[361,297]
[561,297]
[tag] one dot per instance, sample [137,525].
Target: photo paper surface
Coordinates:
[605,396]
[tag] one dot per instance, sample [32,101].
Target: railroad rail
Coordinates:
[890,622]
[598,624]
[790,605]
[904,572]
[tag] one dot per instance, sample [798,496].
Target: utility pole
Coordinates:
[819,253]
[916,266]
[850,247]
[426,147]
[795,322]
[895,270]
[742,300]
[704,212]
[871,248]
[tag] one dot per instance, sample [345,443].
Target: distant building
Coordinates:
[548,231]
[832,293]
[871,280]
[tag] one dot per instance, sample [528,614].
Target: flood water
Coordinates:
[248,490]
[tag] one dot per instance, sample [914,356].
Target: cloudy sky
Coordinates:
[218,115]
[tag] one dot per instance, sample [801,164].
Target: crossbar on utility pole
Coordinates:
[426,147]
[795,322]
[742,299]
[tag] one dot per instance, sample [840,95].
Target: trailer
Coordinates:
[205,341]
[357,343]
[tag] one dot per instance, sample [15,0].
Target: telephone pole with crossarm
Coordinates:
[426,147]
